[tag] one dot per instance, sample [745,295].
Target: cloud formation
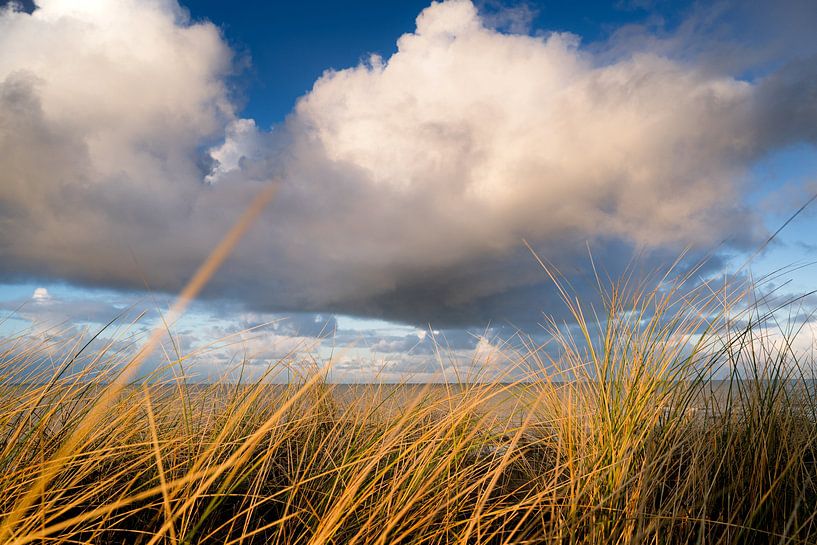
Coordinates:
[407,184]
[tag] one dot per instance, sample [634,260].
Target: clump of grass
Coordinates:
[625,436]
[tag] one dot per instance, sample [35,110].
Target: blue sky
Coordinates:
[417,147]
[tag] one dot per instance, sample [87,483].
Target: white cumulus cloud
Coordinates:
[407,183]
[41,294]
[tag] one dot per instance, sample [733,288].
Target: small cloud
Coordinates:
[41,295]
[242,142]
[516,19]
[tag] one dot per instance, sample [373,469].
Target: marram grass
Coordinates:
[617,432]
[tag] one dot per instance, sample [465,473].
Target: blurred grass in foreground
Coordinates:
[620,433]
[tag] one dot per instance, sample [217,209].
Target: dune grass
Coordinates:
[668,416]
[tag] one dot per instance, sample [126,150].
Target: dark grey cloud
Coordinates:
[406,185]
[786,104]
[299,324]
[750,38]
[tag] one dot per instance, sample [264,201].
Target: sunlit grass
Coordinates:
[670,415]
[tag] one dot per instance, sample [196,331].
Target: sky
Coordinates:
[422,154]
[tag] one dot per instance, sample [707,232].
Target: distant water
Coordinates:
[499,404]
[515,401]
